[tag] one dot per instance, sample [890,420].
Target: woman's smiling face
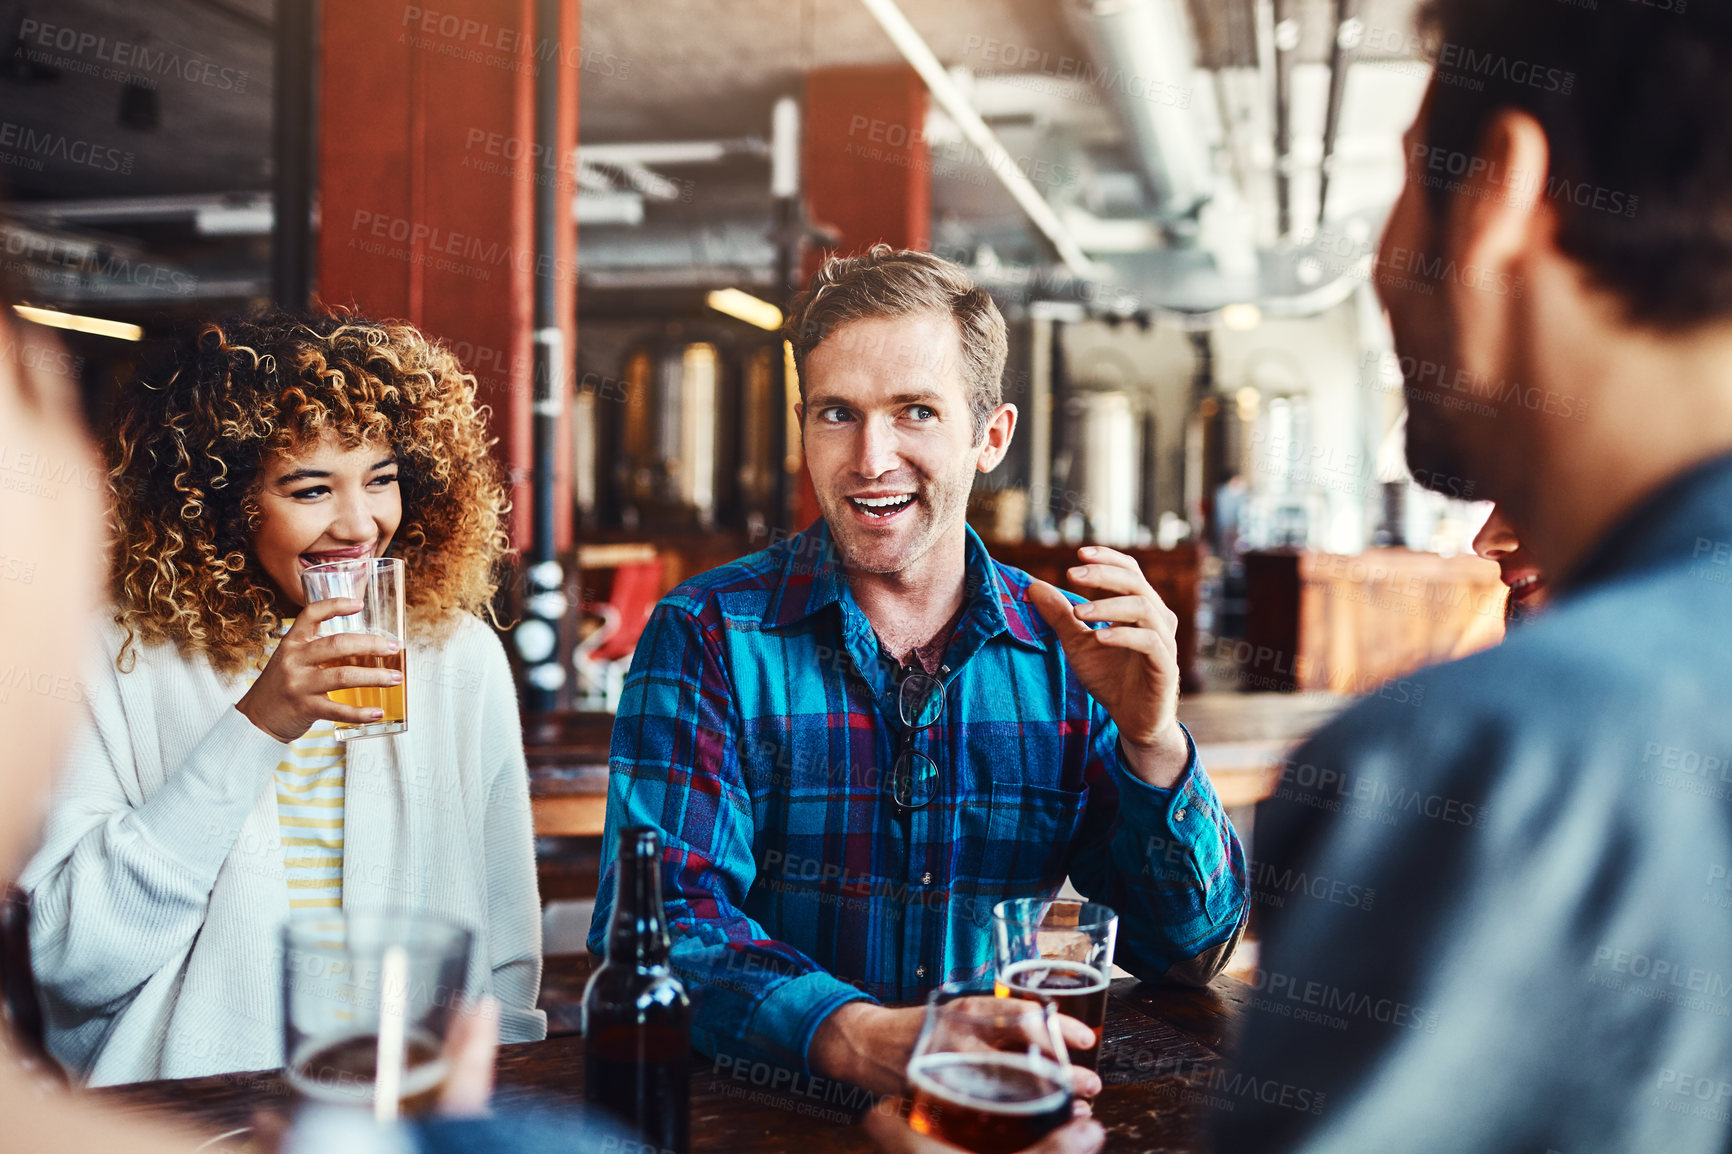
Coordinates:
[322,502]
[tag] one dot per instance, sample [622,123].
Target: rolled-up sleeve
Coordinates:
[1168,860]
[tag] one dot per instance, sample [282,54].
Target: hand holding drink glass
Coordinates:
[372,640]
[988,1074]
[343,659]
[1060,953]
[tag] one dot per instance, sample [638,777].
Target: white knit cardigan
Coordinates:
[159,892]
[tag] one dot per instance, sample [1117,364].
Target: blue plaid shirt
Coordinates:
[756,730]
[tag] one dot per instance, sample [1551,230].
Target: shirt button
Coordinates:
[920,971]
[926,878]
[1180,816]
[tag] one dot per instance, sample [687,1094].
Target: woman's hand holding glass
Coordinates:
[290,694]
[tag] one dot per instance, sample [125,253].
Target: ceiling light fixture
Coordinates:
[1241,318]
[746,307]
[96,326]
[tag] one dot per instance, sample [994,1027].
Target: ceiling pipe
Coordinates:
[956,105]
[1143,48]
[537,636]
[108,209]
[659,152]
[1286,48]
[1347,34]
[785,194]
[294,129]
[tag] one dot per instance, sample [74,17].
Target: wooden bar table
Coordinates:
[1160,1060]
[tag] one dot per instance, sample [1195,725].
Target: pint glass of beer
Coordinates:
[367,1002]
[378,584]
[988,1074]
[1058,952]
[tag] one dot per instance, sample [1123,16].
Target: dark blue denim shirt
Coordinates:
[1540,956]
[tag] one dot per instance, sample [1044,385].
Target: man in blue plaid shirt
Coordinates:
[857,741]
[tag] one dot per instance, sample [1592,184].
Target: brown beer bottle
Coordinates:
[636,1016]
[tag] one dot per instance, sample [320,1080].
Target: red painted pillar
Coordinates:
[867,172]
[428,168]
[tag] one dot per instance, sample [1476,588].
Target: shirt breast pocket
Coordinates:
[1027,842]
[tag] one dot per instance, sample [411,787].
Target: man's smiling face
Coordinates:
[890,438]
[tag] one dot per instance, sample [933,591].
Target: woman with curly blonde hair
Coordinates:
[207,800]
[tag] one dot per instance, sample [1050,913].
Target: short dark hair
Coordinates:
[1636,103]
[887,282]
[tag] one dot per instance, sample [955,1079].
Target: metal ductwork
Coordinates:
[727,250]
[1186,280]
[1143,49]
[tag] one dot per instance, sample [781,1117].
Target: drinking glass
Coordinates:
[368,1000]
[378,584]
[1059,952]
[988,1074]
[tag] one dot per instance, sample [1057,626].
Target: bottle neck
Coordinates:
[639,935]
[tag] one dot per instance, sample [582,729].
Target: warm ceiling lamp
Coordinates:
[746,307]
[96,326]
[1241,318]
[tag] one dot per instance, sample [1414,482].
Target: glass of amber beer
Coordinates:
[1058,952]
[367,1002]
[988,1074]
[378,584]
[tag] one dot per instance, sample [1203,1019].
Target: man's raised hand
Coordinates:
[1132,666]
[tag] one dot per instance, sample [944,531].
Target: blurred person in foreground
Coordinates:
[45,625]
[207,799]
[1547,964]
[763,718]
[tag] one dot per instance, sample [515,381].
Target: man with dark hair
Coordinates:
[1514,930]
[858,741]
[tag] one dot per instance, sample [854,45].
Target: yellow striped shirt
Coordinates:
[309,784]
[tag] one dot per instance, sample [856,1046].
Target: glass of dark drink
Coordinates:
[988,1074]
[1058,952]
[367,1002]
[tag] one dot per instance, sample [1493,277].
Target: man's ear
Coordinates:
[1496,220]
[1492,218]
[1000,428]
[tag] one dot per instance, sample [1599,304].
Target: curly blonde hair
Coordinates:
[185,453]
